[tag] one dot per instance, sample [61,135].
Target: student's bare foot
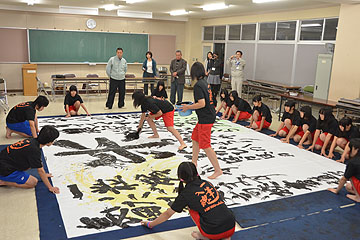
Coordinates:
[2,183]
[154,136]
[197,235]
[216,174]
[353,197]
[233,121]
[8,132]
[182,147]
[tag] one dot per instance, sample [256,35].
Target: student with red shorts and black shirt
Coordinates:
[261,117]
[205,111]
[206,206]
[352,173]
[158,109]
[224,98]
[233,96]
[346,132]
[308,126]
[326,127]
[73,102]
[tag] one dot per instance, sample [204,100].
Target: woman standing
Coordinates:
[149,68]
[214,74]
[207,63]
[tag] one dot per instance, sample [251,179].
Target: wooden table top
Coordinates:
[310,99]
[275,84]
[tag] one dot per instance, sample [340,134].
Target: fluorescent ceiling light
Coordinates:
[215,6]
[133,1]
[30,2]
[134,14]
[78,10]
[264,1]
[311,25]
[110,7]
[179,12]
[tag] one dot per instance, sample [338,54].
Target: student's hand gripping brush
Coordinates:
[134,135]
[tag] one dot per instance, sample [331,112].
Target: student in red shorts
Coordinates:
[207,208]
[205,110]
[241,109]
[352,173]
[224,99]
[308,127]
[261,117]
[233,96]
[326,127]
[73,102]
[158,109]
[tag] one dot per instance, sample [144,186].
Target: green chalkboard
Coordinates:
[47,46]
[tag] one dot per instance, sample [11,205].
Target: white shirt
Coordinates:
[149,67]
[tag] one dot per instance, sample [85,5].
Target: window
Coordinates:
[330,29]
[311,30]
[286,30]
[267,31]
[248,32]
[234,32]
[220,32]
[208,33]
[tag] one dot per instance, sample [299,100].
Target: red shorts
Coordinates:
[321,143]
[302,133]
[266,124]
[244,115]
[168,118]
[202,135]
[196,217]
[298,131]
[71,108]
[356,184]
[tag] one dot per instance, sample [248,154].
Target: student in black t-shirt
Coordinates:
[22,118]
[24,155]
[352,173]
[290,118]
[73,102]
[345,132]
[205,110]
[326,127]
[224,98]
[158,109]
[261,117]
[160,91]
[241,109]
[308,127]
[207,207]
[233,96]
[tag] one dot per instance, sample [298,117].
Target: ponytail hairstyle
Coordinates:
[307,112]
[187,173]
[226,93]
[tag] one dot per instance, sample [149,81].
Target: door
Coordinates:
[220,49]
[323,74]
[206,49]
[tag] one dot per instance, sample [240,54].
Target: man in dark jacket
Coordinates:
[177,69]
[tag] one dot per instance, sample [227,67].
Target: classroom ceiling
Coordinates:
[161,8]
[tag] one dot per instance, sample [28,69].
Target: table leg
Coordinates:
[281,100]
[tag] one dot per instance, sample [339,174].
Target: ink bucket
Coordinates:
[181,113]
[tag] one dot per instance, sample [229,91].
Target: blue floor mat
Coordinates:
[335,224]
[276,210]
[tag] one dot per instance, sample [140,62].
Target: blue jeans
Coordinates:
[178,88]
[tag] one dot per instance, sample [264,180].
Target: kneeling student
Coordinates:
[73,102]
[160,91]
[158,109]
[352,173]
[308,126]
[346,132]
[261,117]
[233,96]
[224,99]
[22,119]
[23,155]
[290,119]
[207,208]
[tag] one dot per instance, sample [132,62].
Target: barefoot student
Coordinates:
[73,102]
[158,109]
[207,208]
[233,96]
[23,155]
[241,109]
[352,173]
[308,127]
[205,111]
[224,98]
[160,91]
[261,117]
[22,118]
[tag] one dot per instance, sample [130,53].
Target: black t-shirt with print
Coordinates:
[155,105]
[202,197]
[310,122]
[20,156]
[331,125]
[69,100]
[353,168]
[207,114]
[352,133]
[159,94]
[21,113]
[294,117]
[242,105]
[264,112]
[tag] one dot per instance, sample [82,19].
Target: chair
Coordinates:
[43,88]
[3,96]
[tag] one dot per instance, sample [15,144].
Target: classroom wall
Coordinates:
[345,79]
[12,72]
